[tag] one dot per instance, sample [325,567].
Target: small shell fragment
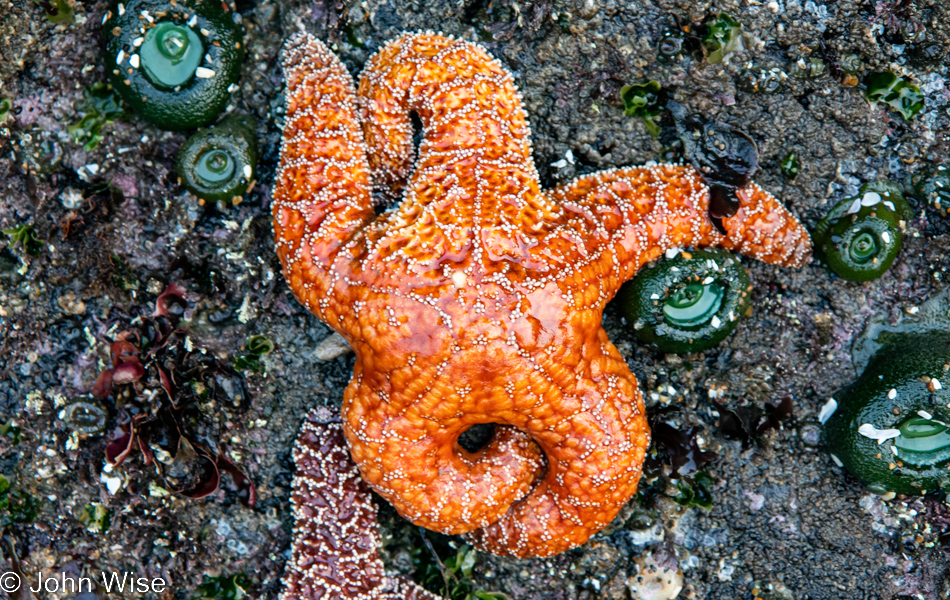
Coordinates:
[881,435]
[827,410]
[331,347]
[204,73]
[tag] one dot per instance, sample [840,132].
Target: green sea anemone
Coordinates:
[218,163]
[861,236]
[891,427]
[644,100]
[173,61]
[687,303]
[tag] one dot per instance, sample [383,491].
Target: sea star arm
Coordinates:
[322,193]
[595,436]
[335,552]
[403,434]
[611,223]
[469,109]
[474,180]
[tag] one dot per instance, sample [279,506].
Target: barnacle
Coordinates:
[933,187]
[760,80]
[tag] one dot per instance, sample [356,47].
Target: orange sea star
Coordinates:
[478,298]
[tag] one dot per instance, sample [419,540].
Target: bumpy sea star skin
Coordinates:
[335,550]
[478,299]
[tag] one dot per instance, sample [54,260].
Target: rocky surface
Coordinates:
[116,228]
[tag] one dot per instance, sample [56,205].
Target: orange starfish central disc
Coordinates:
[478,298]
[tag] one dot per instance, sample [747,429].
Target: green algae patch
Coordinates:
[223,587]
[6,107]
[24,236]
[895,92]
[249,359]
[791,166]
[16,506]
[98,108]
[57,11]
[721,36]
[95,517]
[643,100]
[452,576]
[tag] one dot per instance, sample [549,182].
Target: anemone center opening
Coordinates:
[171,54]
[693,304]
[923,441]
[476,437]
[215,166]
[864,247]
